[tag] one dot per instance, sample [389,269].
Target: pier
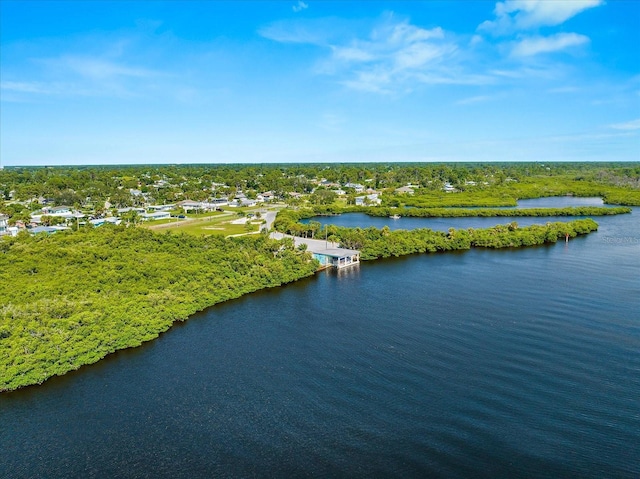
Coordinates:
[328,253]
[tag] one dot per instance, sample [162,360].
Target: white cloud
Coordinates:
[513,15]
[476,40]
[298,7]
[389,58]
[312,31]
[530,46]
[454,77]
[98,68]
[83,75]
[629,125]
[374,81]
[420,54]
[352,54]
[24,87]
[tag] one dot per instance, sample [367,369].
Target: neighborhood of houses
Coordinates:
[49,219]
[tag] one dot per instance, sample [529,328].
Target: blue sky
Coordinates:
[292,81]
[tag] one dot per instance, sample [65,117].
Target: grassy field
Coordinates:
[219,223]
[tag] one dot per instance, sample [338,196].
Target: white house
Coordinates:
[158,215]
[189,205]
[356,186]
[405,190]
[126,210]
[101,221]
[65,212]
[159,208]
[218,202]
[268,196]
[368,200]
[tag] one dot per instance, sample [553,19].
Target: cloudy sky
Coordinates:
[318,81]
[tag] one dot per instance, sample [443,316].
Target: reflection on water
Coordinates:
[561,202]
[362,220]
[349,272]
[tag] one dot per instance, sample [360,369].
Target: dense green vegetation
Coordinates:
[495,212]
[288,221]
[71,298]
[382,243]
[506,193]
[382,211]
[476,184]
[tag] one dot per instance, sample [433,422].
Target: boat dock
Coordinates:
[329,254]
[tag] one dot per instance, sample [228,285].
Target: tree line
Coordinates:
[375,243]
[71,298]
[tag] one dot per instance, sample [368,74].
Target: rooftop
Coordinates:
[337,252]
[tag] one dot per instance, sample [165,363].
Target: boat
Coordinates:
[395,217]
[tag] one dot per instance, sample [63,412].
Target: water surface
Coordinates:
[362,220]
[509,363]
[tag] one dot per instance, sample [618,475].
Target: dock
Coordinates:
[329,254]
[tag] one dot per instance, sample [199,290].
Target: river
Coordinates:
[485,363]
[362,220]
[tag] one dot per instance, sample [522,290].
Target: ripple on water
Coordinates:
[520,363]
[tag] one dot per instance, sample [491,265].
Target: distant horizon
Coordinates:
[275,164]
[284,82]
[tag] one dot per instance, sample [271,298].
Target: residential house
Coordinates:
[189,205]
[157,208]
[158,215]
[368,200]
[65,212]
[100,221]
[268,196]
[404,190]
[356,186]
[218,202]
[126,210]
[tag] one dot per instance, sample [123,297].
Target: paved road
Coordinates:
[269,217]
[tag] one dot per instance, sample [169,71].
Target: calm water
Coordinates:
[517,363]
[353,220]
[561,202]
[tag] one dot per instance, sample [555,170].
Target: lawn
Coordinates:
[212,224]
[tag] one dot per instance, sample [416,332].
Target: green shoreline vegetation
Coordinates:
[375,243]
[73,297]
[382,211]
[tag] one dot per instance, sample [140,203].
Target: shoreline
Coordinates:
[413,242]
